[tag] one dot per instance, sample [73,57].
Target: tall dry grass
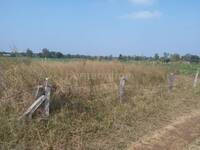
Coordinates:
[85,111]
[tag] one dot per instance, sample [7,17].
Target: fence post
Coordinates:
[43,96]
[196,79]
[47,100]
[171,79]
[39,91]
[122,88]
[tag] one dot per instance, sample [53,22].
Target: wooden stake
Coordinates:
[196,79]
[171,79]
[39,91]
[44,97]
[47,94]
[122,88]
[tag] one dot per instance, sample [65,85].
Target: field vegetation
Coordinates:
[85,112]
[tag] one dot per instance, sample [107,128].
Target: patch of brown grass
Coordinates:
[85,108]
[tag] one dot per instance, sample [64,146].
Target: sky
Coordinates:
[101,27]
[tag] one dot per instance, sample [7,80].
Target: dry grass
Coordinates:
[85,109]
[194,146]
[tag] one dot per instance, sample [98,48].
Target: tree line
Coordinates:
[46,53]
[166,57]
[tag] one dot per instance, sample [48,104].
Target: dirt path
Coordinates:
[173,137]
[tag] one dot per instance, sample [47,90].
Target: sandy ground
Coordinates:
[194,145]
[183,134]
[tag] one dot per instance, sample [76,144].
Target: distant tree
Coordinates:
[166,55]
[186,57]
[195,59]
[40,55]
[23,54]
[68,56]
[166,58]
[45,52]
[174,57]
[110,57]
[156,56]
[120,57]
[52,54]
[137,58]
[191,58]
[29,53]
[129,57]
[13,54]
[59,55]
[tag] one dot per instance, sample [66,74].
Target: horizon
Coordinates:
[102,27]
[114,56]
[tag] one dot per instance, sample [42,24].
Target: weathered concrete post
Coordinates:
[39,91]
[43,96]
[122,88]
[171,78]
[196,79]
[47,100]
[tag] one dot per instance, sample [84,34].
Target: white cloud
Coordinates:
[143,2]
[142,15]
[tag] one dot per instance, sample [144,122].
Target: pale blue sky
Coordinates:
[101,27]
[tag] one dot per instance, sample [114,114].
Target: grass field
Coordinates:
[85,112]
[186,69]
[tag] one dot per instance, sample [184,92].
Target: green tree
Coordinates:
[45,53]
[166,55]
[191,58]
[174,57]
[59,55]
[156,56]
[120,57]
[29,53]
